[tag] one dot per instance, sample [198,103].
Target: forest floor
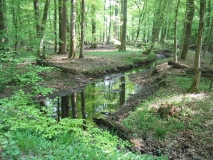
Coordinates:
[188,143]
[192,141]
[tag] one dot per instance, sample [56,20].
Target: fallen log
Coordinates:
[205,72]
[177,65]
[113,126]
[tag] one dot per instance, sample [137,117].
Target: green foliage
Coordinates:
[11,75]
[148,121]
[185,82]
[26,133]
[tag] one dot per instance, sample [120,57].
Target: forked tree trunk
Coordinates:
[195,85]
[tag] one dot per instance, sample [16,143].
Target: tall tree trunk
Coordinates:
[40,27]
[141,18]
[157,23]
[2,27]
[123,28]
[55,26]
[105,23]
[82,30]
[37,15]
[115,26]
[72,52]
[175,31]
[94,43]
[208,42]
[195,85]
[64,25]
[110,22]
[15,23]
[190,9]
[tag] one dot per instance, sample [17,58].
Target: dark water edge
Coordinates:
[101,96]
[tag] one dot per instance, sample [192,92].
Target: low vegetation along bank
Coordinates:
[183,131]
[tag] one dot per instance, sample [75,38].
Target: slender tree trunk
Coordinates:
[2,27]
[15,23]
[141,18]
[72,52]
[40,27]
[190,9]
[64,30]
[94,43]
[195,84]
[110,22]
[37,15]
[124,23]
[175,31]
[157,23]
[82,30]
[208,42]
[55,26]
[60,12]
[116,21]
[105,23]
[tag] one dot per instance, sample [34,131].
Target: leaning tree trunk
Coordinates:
[190,9]
[72,52]
[195,85]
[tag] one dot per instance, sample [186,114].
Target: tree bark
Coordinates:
[140,19]
[123,28]
[175,31]
[110,23]
[55,26]
[62,26]
[72,52]
[94,43]
[190,9]
[195,85]
[2,27]
[82,30]
[40,27]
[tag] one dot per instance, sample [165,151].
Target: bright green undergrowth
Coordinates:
[185,82]
[146,119]
[26,133]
